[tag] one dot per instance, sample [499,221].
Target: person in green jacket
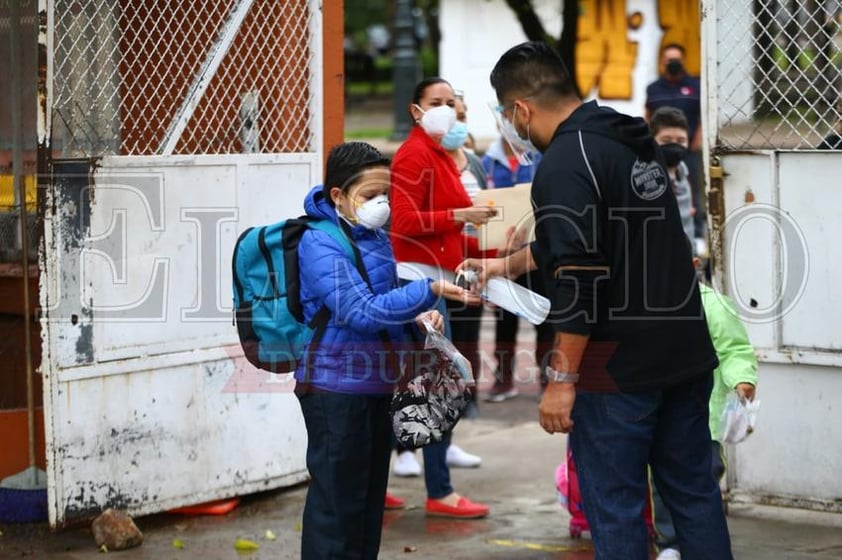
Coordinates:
[737,371]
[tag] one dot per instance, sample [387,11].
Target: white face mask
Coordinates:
[374,213]
[438,120]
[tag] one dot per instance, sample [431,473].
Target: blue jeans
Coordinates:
[663,519]
[348,448]
[616,436]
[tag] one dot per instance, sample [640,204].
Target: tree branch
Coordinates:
[529,21]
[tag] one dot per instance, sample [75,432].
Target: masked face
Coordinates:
[674,67]
[366,203]
[455,137]
[522,147]
[437,121]
[374,213]
[674,153]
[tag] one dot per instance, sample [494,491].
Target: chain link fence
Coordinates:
[777,72]
[198,77]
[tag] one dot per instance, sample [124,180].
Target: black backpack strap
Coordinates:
[319,325]
[358,261]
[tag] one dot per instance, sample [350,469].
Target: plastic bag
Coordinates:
[739,418]
[431,400]
[436,340]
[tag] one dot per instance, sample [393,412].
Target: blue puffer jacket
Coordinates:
[350,357]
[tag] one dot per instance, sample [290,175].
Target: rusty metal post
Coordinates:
[20,195]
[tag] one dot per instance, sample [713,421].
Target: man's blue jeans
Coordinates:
[666,537]
[616,436]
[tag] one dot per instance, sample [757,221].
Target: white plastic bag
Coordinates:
[437,340]
[738,418]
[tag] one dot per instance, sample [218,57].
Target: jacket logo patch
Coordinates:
[648,179]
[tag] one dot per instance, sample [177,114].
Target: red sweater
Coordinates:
[426,188]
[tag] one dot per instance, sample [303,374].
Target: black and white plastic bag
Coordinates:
[431,399]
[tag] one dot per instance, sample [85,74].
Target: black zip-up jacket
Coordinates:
[614,256]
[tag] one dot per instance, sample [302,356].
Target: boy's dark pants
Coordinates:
[348,451]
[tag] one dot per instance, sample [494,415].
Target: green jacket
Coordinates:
[737,362]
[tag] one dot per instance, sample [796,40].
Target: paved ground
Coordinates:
[516,478]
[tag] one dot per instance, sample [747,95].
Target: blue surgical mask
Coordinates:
[455,137]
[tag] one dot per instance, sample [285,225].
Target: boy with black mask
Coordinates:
[677,88]
[669,128]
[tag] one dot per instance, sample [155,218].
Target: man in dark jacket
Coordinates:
[631,347]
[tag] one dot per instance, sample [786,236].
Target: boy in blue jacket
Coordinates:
[345,385]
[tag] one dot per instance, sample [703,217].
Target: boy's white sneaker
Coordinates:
[669,554]
[458,458]
[406,465]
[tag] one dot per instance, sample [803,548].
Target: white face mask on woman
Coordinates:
[374,213]
[438,120]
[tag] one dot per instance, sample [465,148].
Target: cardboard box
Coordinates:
[514,206]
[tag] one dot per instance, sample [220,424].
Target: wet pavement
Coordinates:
[516,479]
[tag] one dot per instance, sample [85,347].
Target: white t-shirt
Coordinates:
[469,181]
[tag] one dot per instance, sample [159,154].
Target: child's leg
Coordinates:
[718,464]
[340,447]
[381,449]
[665,537]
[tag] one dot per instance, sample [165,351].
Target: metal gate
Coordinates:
[772,107]
[167,128]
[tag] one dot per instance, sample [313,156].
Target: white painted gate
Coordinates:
[171,126]
[772,80]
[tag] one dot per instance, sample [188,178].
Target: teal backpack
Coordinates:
[267,293]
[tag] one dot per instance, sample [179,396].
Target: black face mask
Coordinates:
[674,67]
[673,153]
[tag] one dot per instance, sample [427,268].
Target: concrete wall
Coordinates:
[794,457]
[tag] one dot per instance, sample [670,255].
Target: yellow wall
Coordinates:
[605,58]
[7,192]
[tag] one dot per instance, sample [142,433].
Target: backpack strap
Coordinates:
[320,320]
[332,229]
[358,261]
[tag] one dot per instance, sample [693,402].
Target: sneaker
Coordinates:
[464,509]
[669,554]
[393,502]
[458,458]
[406,465]
[500,393]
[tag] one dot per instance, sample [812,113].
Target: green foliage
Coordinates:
[367,133]
[363,89]
[429,61]
[359,14]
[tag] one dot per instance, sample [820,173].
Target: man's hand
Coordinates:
[515,240]
[485,269]
[745,391]
[556,406]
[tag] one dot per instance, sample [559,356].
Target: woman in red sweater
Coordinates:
[430,208]
[429,204]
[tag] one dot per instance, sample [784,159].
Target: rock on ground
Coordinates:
[115,530]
